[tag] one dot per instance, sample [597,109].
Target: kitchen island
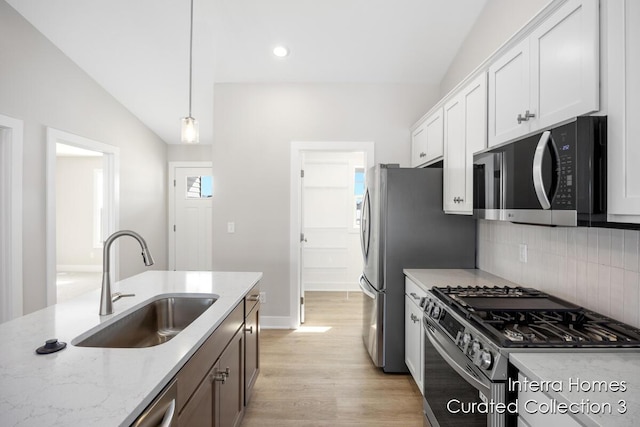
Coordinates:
[104,386]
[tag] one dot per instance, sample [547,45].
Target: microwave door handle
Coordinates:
[538,183]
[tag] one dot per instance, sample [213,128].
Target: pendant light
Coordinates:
[190,131]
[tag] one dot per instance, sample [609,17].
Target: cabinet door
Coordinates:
[509,93]
[465,121]
[565,64]
[454,179]
[412,339]
[199,410]
[252,351]
[419,146]
[229,395]
[623,144]
[427,140]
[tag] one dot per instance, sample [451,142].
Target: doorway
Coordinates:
[190,216]
[82,206]
[321,242]
[11,296]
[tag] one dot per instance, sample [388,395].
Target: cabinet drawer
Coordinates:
[414,291]
[201,362]
[252,298]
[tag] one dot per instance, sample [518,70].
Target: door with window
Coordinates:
[192,219]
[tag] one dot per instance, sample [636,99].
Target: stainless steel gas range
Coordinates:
[470,332]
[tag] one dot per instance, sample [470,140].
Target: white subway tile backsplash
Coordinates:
[592,245]
[617,248]
[631,250]
[592,285]
[631,298]
[604,290]
[604,246]
[592,267]
[582,244]
[572,277]
[571,242]
[616,298]
[561,241]
[581,283]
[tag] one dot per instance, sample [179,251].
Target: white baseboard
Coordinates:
[276,322]
[84,268]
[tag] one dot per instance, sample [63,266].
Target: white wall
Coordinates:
[593,267]
[188,153]
[497,22]
[42,87]
[74,211]
[254,127]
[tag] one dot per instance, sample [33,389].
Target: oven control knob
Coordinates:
[485,359]
[435,313]
[466,339]
[474,349]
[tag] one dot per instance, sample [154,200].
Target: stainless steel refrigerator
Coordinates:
[403,226]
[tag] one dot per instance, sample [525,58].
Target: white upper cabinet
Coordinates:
[623,123]
[427,140]
[549,77]
[465,132]
[509,94]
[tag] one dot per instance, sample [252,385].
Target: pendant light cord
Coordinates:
[190,56]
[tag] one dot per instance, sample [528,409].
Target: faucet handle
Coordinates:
[117,295]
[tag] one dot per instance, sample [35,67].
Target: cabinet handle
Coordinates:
[413,294]
[253,297]
[249,329]
[527,115]
[423,154]
[414,318]
[221,376]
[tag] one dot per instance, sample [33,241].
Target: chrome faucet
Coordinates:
[106,303]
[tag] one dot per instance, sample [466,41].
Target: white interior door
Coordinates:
[330,258]
[193,193]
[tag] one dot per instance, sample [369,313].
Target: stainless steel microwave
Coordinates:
[557,177]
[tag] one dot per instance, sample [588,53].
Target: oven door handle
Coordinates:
[475,382]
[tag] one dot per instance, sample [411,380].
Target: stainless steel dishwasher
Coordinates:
[161,412]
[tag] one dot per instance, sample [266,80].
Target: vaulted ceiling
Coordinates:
[138,50]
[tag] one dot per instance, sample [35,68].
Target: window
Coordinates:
[199,187]
[358,193]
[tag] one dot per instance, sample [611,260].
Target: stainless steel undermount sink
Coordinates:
[154,323]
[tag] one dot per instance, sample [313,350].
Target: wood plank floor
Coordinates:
[321,379]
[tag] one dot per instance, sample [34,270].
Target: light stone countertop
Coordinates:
[427,278]
[607,367]
[83,386]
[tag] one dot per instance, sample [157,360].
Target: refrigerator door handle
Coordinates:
[365,231]
[366,287]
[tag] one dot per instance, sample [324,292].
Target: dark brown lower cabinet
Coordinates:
[252,350]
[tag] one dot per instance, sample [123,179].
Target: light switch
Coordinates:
[231,227]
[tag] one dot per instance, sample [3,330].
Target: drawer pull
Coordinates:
[249,329]
[253,298]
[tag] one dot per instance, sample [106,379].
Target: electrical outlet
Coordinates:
[231,227]
[263,297]
[523,253]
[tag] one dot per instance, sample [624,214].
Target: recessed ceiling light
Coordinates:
[280,51]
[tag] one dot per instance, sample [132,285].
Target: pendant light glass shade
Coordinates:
[190,131]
